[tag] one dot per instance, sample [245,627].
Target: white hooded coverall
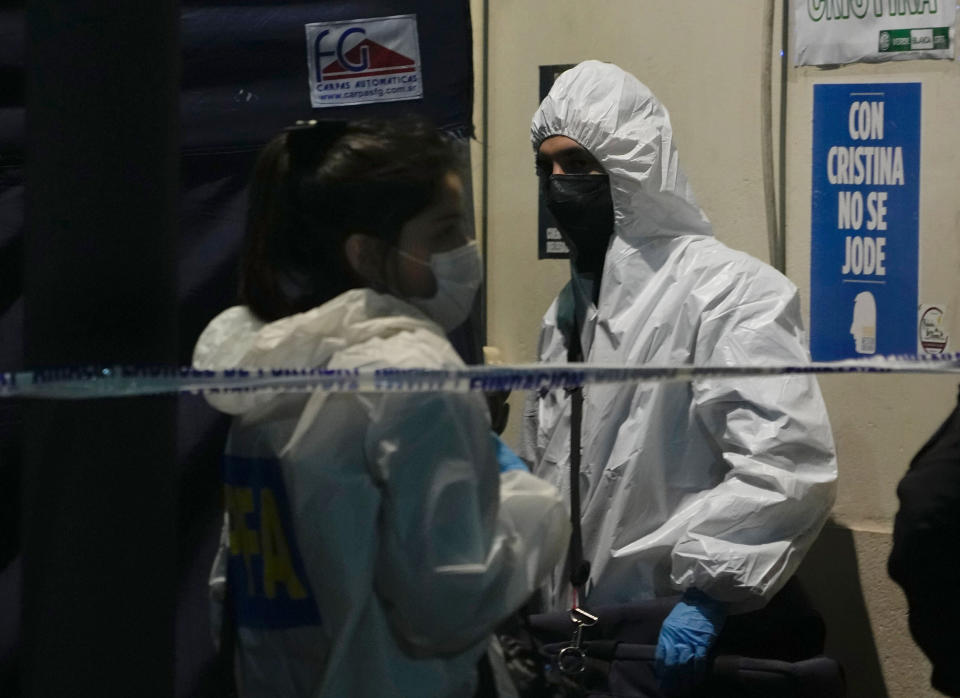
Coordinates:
[372,541]
[716,484]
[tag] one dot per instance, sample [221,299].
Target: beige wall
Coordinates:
[704,61]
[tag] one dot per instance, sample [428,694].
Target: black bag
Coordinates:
[771,653]
[624,670]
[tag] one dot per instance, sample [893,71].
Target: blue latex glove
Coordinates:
[686,638]
[506,457]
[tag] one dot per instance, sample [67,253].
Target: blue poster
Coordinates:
[864,220]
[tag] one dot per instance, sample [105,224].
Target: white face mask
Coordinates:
[458,276]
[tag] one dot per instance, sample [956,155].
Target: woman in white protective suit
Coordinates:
[372,540]
[716,488]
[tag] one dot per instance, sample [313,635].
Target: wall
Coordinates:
[704,61]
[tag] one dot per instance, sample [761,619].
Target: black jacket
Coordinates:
[925,560]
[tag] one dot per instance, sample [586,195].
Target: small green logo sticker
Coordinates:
[932,38]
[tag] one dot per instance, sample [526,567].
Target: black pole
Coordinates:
[99,529]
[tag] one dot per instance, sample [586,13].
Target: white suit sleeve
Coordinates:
[461,546]
[550,337]
[528,437]
[751,531]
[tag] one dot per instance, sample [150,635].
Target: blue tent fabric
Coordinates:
[244,78]
[245,67]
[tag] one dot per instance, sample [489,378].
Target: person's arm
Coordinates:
[550,344]
[528,450]
[461,545]
[773,434]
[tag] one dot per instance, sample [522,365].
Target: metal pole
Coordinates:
[782,178]
[766,136]
[485,167]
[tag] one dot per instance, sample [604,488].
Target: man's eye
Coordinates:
[542,168]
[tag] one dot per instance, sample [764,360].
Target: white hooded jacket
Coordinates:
[373,543]
[717,484]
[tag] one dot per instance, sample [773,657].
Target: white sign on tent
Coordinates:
[846,31]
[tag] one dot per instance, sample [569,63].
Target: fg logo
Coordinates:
[319,54]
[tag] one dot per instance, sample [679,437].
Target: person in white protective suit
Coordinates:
[715,488]
[372,540]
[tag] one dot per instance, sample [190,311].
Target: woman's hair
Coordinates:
[316,184]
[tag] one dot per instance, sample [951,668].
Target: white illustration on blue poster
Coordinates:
[864,220]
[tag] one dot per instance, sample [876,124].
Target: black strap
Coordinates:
[579,568]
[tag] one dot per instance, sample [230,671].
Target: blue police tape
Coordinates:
[131,381]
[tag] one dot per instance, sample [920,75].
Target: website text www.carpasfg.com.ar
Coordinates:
[368,87]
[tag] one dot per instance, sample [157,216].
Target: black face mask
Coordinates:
[583,207]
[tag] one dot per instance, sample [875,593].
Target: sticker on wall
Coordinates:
[830,32]
[932,334]
[550,244]
[864,220]
[364,61]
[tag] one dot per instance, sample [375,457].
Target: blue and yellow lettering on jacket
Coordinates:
[265,569]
